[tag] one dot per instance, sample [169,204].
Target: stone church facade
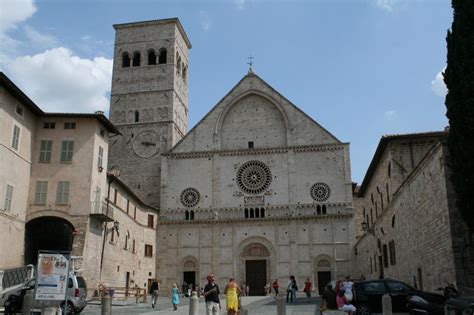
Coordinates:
[257,190]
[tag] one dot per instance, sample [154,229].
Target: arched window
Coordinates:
[162,56]
[178,66]
[136,59]
[324,209]
[318,210]
[125,60]
[186,215]
[191,215]
[388,193]
[246,213]
[252,214]
[151,57]
[262,213]
[257,213]
[137,116]
[185,72]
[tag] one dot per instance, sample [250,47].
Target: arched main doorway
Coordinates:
[256,258]
[47,233]
[323,272]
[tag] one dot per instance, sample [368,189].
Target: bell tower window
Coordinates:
[136,59]
[151,57]
[137,116]
[162,56]
[125,60]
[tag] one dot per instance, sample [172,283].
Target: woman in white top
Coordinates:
[348,285]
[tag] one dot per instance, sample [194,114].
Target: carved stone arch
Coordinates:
[255,248]
[324,271]
[324,262]
[189,263]
[236,100]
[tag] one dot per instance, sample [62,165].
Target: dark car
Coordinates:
[369,295]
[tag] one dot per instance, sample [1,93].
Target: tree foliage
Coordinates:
[459,79]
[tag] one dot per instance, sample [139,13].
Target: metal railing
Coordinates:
[15,276]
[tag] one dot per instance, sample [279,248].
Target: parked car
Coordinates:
[369,295]
[76,296]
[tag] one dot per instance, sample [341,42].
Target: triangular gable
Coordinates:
[302,129]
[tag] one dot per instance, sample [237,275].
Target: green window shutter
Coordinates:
[16,137]
[8,198]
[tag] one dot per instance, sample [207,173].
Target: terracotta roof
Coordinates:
[384,141]
[99,116]
[124,186]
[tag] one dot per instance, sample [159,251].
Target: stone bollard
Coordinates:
[281,305]
[193,304]
[386,304]
[106,304]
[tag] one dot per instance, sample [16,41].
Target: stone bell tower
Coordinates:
[149,101]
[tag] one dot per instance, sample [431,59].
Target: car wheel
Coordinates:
[78,310]
[69,308]
[363,309]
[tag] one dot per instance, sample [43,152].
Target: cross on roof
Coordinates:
[250,63]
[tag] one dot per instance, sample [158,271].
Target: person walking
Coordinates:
[211,296]
[232,291]
[175,296]
[276,286]
[308,287]
[155,287]
[293,288]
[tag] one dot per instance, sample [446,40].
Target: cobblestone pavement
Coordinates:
[253,304]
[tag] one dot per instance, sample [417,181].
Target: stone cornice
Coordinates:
[347,205]
[279,150]
[326,217]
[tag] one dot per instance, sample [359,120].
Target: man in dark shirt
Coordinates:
[329,299]
[211,295]
[155,287]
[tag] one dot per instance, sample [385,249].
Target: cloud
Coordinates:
[205,20]
[385,5]
[14,12]
[59,81]
[391,115]
[438,86]
[38,39]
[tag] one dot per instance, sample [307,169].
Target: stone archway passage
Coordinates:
[256,276]
[47,233]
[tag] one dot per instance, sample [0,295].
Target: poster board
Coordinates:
[52,279]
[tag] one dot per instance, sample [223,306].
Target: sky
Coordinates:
[360,68]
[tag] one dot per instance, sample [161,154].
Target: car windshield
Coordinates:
[374,286]
[398,286]
[81,282]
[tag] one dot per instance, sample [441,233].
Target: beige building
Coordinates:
[413,230]
[18,116]
[54,191]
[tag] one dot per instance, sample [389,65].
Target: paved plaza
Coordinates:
[253,305]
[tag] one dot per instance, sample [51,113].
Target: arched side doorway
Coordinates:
[47,233]
[323,271]
[255,266]
[190,273]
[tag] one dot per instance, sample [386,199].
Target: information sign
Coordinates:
[52,277]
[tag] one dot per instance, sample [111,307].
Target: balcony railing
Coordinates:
[269,212]
[101,211]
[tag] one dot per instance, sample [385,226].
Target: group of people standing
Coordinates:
[339,296]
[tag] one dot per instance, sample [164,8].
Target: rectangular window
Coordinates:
[45,151]
[135,213]
[7,205]
[148,250]
[49,125]
[115,196]
[69,125]
[385,256]
[391,249]
[133,246]
[40,192]
[102,133]
[101,157]
[19,110]
[128,205]
[67,148]
[250,144]
[62,194]
[16,137]
[151,219]
[112,235]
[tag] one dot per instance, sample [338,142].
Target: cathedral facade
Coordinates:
[257,190]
